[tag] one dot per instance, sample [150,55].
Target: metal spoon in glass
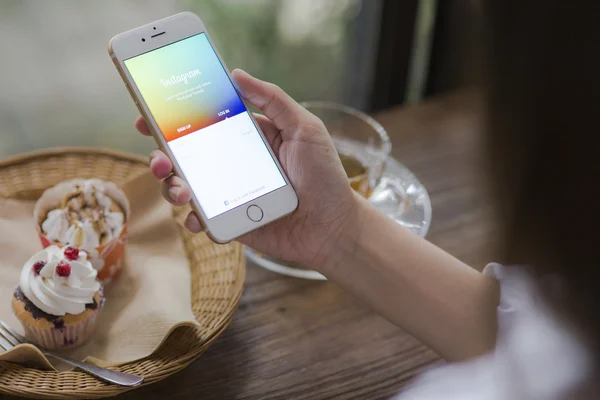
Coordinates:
[10,338]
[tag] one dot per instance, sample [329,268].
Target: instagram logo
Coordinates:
[180,78]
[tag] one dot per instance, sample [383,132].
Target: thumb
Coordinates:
[271,100]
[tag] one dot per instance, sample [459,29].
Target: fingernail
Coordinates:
[174,192]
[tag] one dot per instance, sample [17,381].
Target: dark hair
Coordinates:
[543,102]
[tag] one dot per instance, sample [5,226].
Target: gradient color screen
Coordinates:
[207,127]
[185,84]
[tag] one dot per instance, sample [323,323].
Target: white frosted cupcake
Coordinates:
[89,214]
[58,298]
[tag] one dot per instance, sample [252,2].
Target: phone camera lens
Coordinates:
[143,40]
[154,28]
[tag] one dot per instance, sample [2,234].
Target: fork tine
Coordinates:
[5,344]
[8,336]
[16,335]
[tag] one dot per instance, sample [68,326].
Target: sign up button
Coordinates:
[184,128]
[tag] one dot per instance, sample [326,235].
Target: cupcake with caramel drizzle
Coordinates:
[87,214]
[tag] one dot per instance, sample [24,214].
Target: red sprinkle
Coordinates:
[63,269]
[71,253]
[37,267]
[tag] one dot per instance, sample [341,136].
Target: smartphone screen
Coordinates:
[205,124]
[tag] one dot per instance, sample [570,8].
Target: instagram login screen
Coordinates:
[206,125]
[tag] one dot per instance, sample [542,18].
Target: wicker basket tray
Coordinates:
[218,274]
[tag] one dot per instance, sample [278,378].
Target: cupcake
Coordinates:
[58,298]
[88,214]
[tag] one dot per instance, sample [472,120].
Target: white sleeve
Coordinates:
[516,288]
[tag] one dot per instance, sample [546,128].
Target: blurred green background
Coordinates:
[58,86]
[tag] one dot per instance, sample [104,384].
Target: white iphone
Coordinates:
[183,90]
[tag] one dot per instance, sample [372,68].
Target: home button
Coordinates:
[255,213]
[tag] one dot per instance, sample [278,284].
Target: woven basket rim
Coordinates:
[61,150]
[174,362]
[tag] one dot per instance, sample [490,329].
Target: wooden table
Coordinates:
[297,339]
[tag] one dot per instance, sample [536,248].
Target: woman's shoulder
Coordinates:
[536,356]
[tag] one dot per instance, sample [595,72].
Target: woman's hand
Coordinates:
[327,204]
[444,303]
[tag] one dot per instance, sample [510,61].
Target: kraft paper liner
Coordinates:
[110,255]
[151,298]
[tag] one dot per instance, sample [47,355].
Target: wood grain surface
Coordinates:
[297,339]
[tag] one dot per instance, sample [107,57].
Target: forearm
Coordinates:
[446,304]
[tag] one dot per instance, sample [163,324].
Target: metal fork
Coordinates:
[10,338]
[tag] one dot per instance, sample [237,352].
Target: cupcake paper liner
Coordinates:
[65,337]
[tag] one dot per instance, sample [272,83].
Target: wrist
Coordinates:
[344,239]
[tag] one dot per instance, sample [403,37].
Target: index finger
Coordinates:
[141,126]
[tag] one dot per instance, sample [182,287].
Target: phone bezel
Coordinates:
[233,223]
